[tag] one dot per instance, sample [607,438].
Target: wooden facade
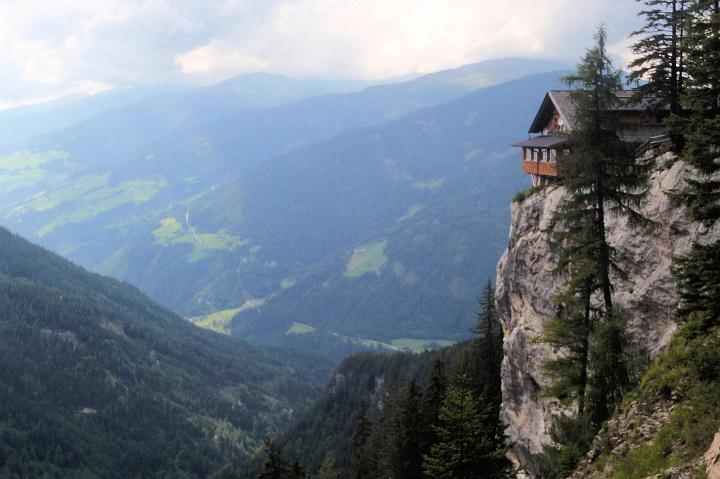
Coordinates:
[539,157]
[554,121]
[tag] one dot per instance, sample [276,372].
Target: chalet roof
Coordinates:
[641,133]
[560,101]
[555,100]
[543,141]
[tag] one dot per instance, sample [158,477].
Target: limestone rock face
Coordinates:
[526,286]
[712,459]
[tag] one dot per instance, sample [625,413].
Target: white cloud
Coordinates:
[57,47]
[217,59]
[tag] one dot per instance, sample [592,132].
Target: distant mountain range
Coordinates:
[362,219]
[99,381]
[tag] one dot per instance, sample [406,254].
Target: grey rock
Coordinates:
[526,286]
[712,459]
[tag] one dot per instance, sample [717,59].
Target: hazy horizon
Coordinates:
[61,48]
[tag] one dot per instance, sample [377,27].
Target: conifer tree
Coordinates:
[407,460]
[387,433]
[601,178]
[702,97]
[462,439]
[362,464]
[276,465]
[698,273]
[601,175]
[487,351]
[296,470]
[698,276]
[328,469]
[610,372]
[570,331]
[432,402]
[660,53]
[486,362]
[571,438]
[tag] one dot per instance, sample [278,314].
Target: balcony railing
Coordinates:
[542,168]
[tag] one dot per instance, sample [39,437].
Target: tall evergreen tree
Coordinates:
[363,464]
[702,97]
[698,277]
[407,454]
[487,351]
[486,361]
[328,469]
[610,372]
[601,177]
[698,273]
[276,465]
[433,398]
[296,470]
[461,438]
[387,433]
[660,53]
[570,331]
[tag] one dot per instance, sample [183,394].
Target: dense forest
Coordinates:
[405,415]
[98,381]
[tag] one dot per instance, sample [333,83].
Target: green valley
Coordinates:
[99,381]
[326,231]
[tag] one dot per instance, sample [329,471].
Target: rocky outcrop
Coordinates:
[526,286]
[712,459]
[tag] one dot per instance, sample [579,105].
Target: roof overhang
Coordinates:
[543,142]
[551,103]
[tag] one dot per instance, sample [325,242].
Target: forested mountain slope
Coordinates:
[433,414]
[364,377]
[77,189]
[18,125]
[99,381]
[382,233]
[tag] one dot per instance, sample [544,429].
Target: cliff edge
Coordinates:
[526,286]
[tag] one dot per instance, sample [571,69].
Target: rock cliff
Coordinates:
[526,286]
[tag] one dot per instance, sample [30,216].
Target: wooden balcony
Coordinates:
[542,168]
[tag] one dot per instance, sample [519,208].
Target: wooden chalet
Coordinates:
[553,122]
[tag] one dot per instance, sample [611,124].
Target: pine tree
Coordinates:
[601,177]
[660,53]
[296,470]
[570,331]
[463,442]
[610,377]
[698,277]
[328,469]
[571,438]
[487,351]
[698,273]
[486,361]
[702,97]
[432,402]
[407,460]
[362,464]
[276,466]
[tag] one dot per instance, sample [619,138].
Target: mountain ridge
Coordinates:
[102,382]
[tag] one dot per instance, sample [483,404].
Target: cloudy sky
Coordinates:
[52,48]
